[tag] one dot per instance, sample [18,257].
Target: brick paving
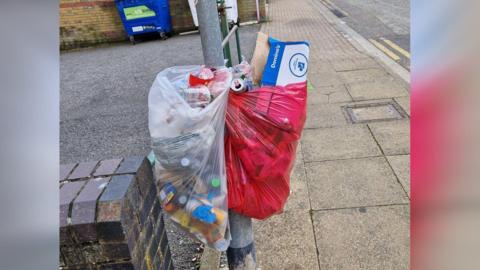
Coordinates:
[349,207]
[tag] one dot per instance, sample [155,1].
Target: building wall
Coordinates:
[88,22]
[84,23]
[182,17]
[247,10]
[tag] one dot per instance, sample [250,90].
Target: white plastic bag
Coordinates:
[188,142]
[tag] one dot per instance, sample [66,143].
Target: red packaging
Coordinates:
[263,129]
[203,77]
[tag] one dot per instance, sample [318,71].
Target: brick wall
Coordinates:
[247,10]
[110,217]
[88,22]
[182,17]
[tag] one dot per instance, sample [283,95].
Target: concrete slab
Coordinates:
[325,115]
[316,66]
[354,64]
[393,137]
[385,87]
[286,241]
[314,97]
[324,79]
[401,167]
[299,154]
[362,75]
[338,143]
[298,199]
[353,182]
[340,96]
[363,238]
[328,94]
[404,102]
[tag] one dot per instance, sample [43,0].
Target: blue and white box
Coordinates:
[287,63]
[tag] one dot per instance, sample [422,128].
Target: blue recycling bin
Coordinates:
[145,16]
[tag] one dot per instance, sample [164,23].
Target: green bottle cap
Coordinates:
[215,182]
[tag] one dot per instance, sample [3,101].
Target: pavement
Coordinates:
[349,207]
[386,24]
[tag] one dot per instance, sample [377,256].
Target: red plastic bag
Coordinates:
[263,128]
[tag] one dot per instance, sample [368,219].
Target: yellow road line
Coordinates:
[385,50]
[396,47]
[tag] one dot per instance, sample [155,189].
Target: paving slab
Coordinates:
[393,137]
[404,102]
[354,64]
[320,80]
[363,75]
[299,154]
[286,241]
[315,66]
[326,115]
[315,97]
[328,94]
[363,238]
[339,96]
[386,87]
[353,182]
[338,143]
[298,198]
[401,167]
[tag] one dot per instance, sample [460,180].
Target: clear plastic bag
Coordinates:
[188,143]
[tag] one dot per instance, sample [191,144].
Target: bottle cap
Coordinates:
[182,199]
[215,182]
[185,162]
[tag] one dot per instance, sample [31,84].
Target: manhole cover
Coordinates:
[372,112]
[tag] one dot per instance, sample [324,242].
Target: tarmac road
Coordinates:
[104,92]
[385,23]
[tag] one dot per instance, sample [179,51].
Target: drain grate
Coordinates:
[373,112]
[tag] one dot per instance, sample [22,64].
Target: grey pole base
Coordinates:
[210,34]
[241,252]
